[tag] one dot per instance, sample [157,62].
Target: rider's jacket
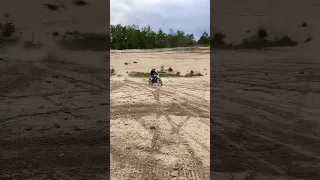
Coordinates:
[153,72]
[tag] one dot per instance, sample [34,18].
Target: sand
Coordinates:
[265,109]
[156,131]
[265,104]
[53,114]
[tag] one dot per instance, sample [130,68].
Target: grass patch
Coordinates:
[80,2]
[304,24]
[53,7]
[178,74]
[55,33]
[193,74]
[32,45]
[258,41]
[4,41]
[53,58]
[83,41]
[263,43]
[146,74]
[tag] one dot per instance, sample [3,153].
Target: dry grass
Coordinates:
[258,41]
[80,2]
[53,7]
[82,41]
[53,58]
[32,45]
[162,74]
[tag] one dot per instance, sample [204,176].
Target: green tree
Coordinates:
[133,37]
[204,39]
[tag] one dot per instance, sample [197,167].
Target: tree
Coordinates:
[133,37]
[204,39]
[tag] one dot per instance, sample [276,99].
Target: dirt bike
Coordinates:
[156,79]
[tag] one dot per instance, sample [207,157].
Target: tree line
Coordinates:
[133,37]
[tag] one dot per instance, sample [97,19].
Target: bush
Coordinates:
[170,69]
[80,2]
[53,58]
[218,40]
[8,29]
[52,7]
[192,74]
[55,33]
[262,34]
[304,24]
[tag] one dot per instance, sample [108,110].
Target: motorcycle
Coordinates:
[156,79]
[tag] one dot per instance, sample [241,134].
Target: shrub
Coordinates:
[285,41]
[8,29]
[52,7]
[73,40]
[80,2]
[262,34]
[308,39]
[217,40]
[191,74]
[304,24]
[55,33]
[162,69]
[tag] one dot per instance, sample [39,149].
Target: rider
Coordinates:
[153,73]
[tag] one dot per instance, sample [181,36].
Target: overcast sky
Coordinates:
[191,16]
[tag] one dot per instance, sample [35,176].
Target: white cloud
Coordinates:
[192,16]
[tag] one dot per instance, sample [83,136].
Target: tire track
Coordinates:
[191,166]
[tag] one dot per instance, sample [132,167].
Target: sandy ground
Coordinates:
[265,104]
[160,132]
[53,116]
[53,121]
[265,110]
[265,116]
